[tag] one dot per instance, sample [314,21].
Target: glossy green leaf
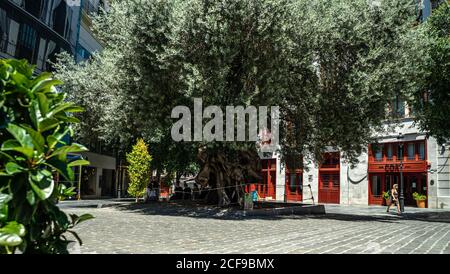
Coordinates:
[78,219]
[61,167]
[13,145]
[31,198]
[46,86]
[38,140]
[63,108]
[47,123]
[11,233]
[13,168]
[79,163]
[4,198]
[61,152]
[42,184]
[43,103]
[56,137]
[41,79]
[21,135]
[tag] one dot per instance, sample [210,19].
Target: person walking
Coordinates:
[394,199]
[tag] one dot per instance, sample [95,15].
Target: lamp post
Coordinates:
[401,196]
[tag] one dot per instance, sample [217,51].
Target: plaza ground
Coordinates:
[124,227]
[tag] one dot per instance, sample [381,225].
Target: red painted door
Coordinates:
[294,186]
[329,187]
[267,188]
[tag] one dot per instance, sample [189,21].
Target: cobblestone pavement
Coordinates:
[165,228]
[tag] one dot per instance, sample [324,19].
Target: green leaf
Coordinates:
[56,137]
[41,79]
[79,163]
[65,107]
[43,103]
[47,123]
[31,197]
[35,113]
[13,145]
[80,242]
[21,135]
[61,152]
[19,79]
[68,119]
[6,155]
[36,137]
[4,198]
[13,168]
[11,233]
[42,184]
[46,86]
[78,219]
[61,167]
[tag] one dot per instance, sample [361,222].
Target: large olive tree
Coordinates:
[331,67]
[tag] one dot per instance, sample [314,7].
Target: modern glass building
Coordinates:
[37,30]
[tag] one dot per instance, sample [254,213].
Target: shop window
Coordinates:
[389,152]
[411,151]
[376,185]
[292,182]
[421,151]
[377,152]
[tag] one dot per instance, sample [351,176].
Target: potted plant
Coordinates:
[420,199]
[387,197]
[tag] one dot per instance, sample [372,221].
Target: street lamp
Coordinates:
[402,197]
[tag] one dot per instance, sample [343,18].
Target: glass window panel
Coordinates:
[292,185]
[411,151]
[400,107]
[300,183]
[389,152]
[421,151]
[376,185]
[335,181]
[378,152]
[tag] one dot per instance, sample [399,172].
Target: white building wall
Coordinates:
[310,177]
[100,162]
[354,182]
[443,176]
[281,180]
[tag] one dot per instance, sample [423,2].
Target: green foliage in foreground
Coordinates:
[34,119]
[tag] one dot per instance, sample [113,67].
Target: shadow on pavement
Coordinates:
[197,210]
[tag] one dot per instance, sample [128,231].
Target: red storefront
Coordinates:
[267,188]
[384,170]
[294,182]
[329,179]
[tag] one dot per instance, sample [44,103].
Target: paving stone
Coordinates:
[171,229]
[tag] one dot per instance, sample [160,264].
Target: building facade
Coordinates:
[425,170]
[37,30]
[402,150]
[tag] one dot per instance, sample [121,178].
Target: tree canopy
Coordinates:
[331,67]
[431,96]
